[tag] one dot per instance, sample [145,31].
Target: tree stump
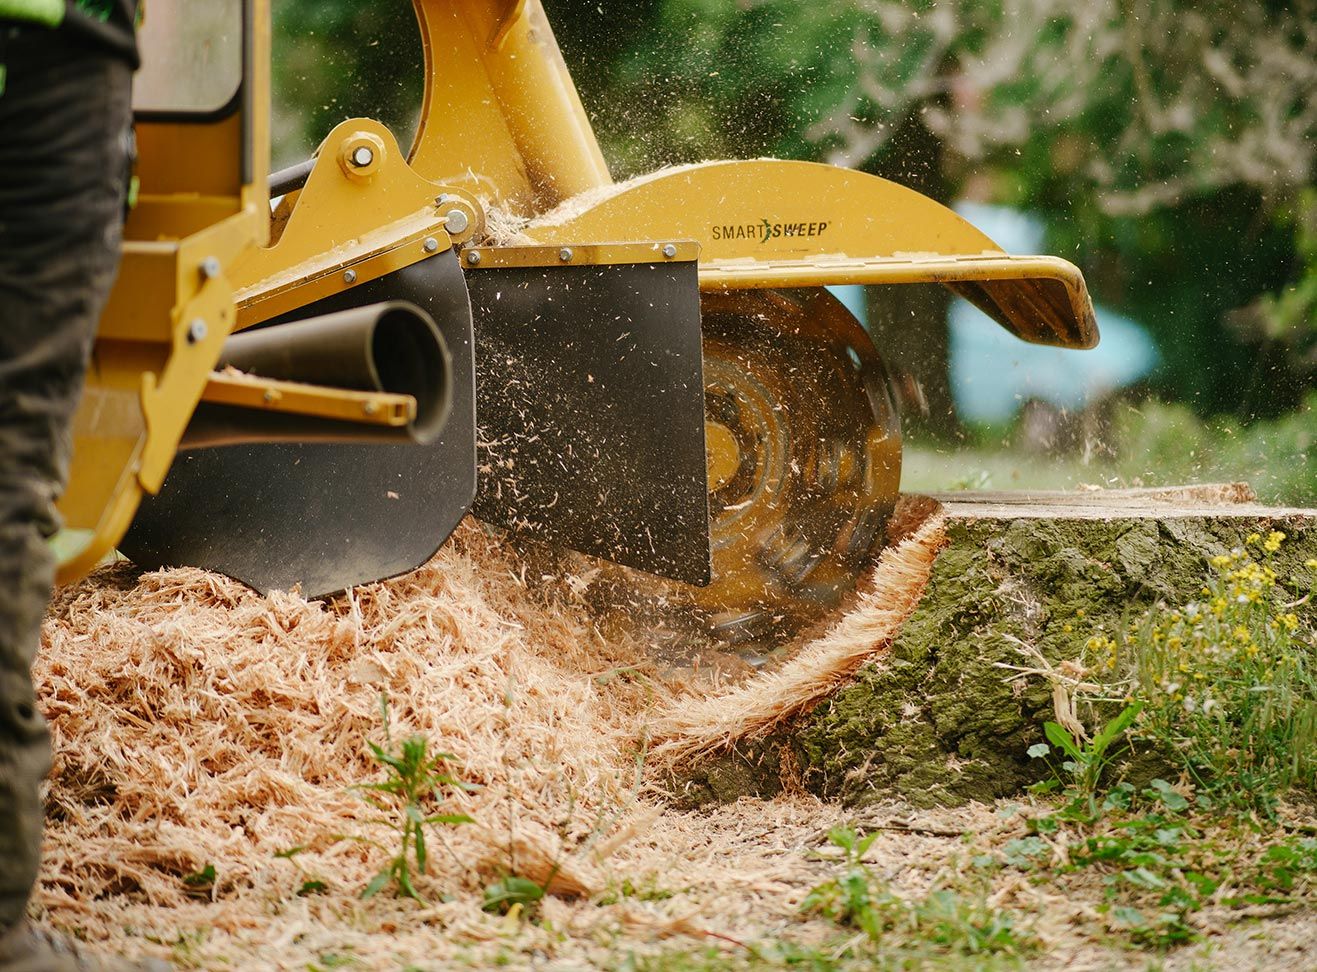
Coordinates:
[935,720]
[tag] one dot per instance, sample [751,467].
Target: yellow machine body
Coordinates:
[202,213]
[503,128]
[201,205]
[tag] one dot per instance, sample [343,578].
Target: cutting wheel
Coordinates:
[804,458]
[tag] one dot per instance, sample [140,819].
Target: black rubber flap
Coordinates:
[326,516]
[590,405]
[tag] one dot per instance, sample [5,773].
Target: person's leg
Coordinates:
[64,124]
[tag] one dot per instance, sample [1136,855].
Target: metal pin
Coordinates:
[565,254]
[669,250]
[362,156]
[196,331]
[350,276]
[430,244]
[473,257]
[456,221]
[210,268]
[370,408]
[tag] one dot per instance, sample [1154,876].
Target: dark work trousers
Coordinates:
[64,145]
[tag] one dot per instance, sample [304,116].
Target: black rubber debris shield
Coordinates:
[590,407]
[326,516]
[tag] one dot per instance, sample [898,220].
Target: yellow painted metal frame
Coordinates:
[589,254]
[500,114]
[172,307]
[350,224]
[297,398]
[771,223]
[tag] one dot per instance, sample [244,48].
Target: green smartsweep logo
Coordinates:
[767,229]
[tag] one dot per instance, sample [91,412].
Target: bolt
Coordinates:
[349,276]
[429,244]
[210,268]
[362,156]
[196,331]
[457,221]
[442,198]
[565,254]
[370,408]
[270,395]
[669,250]
[473,257]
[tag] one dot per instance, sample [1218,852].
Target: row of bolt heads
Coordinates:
[566,255]
[457,222]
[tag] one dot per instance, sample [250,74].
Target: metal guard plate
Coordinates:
[590,405]
[326,517]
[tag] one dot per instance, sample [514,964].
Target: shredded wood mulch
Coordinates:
[207,740]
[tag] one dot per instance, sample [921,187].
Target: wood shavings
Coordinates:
[197,723]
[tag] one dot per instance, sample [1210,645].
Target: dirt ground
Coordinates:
[208,741]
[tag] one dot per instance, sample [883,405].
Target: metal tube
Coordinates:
[387,347]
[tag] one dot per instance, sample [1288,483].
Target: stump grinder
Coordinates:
[316,393]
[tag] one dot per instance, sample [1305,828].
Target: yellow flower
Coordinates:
[1291,621]
[1311,563]
[1221,560]
[1273,541]
[1253,538]
[1241,633]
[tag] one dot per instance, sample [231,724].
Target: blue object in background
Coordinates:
[852,295]
[993,372]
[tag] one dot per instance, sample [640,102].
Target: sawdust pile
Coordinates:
[200,725]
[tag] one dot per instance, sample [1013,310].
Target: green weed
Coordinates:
[310,884]
[1230,681]
[647,889]
[514,892]
[1084,763]
[415,781]
[1163,859]
[943,923]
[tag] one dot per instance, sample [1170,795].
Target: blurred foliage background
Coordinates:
[1168,145]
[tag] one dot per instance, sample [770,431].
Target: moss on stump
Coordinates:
[935,721]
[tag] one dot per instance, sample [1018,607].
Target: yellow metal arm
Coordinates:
[500,114]
[317,401]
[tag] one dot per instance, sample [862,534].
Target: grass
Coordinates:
[1223,689]
[415,780]
[1156,444]
[946,923]
[1229,679]
[872,928]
